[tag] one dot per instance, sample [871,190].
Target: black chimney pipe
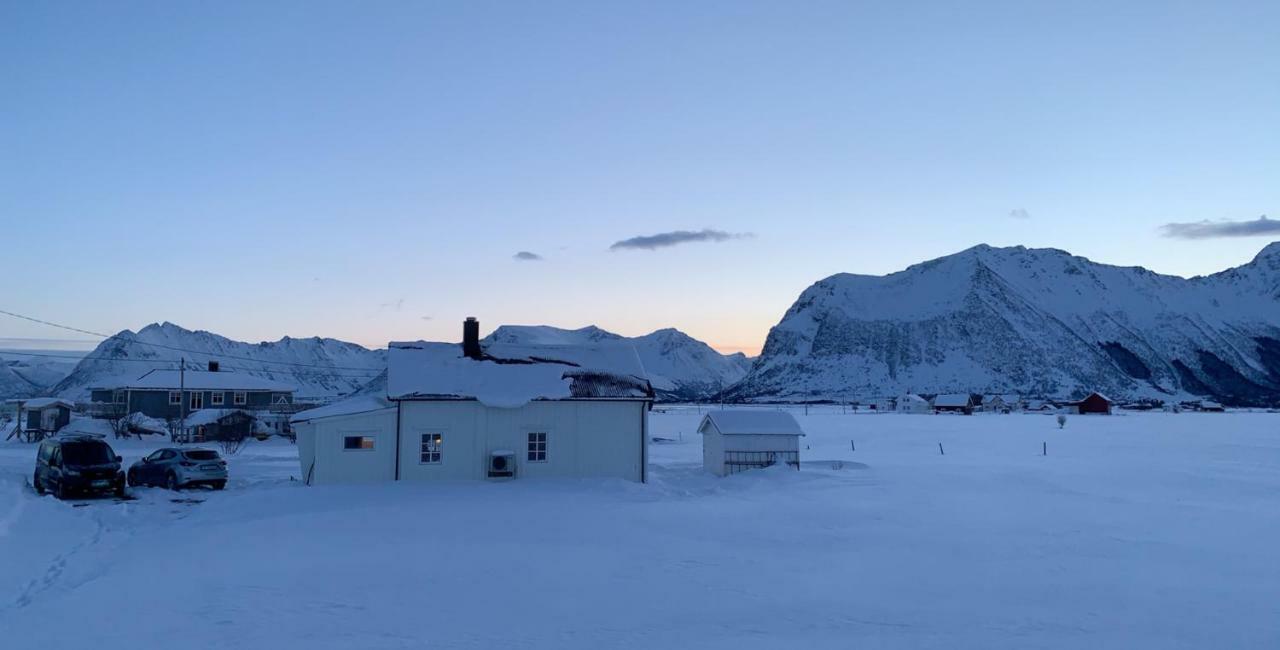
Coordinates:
[471,338]
[213,366]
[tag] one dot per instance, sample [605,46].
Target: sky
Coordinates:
[379,171]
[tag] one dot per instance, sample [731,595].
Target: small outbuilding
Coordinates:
[954,403]
[739,440]
[1095,403]
[914,404]
[40,417]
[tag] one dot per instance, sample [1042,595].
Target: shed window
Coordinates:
[357,443]
[538,447]
[175,397]
[239,398]
[217,397]
[432,448]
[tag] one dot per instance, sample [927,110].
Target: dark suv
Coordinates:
[67,465]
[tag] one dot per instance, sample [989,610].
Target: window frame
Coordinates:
[433,456]
[373,442]
[239,398]
[195,400]
[217,398]
[536,447]
[175,398]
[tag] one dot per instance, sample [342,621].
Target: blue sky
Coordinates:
[367,171]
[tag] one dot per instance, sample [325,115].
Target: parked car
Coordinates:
[176,468]
[77,464]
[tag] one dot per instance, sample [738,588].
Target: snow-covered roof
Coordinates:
[952,399]
[45,402]
[912,398]
[751,422]
[202,380]
[209,416]
[351,406]
[512,375]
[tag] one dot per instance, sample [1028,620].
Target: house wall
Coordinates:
[712,450]
[324,460]
[594,439]
[155,403]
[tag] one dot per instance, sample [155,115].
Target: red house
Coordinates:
[1094,403]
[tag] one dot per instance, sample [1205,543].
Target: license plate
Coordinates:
[209,467]
[101,483]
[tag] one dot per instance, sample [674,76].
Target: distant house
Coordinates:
[954,403]
[913,404]
[1000,403]
[40,417]
[491,411]
[1207,406]
[1040,406]
[168,394]
[882,405]
[218,424]
[1094,403]
[739,440]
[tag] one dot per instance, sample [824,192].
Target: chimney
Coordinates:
[471,338]
[213,366]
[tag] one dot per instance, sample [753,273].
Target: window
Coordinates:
[119,397]
[197,401]
[175,397]
[239,398]
[432,448]
[217,397]
[538,447]
[357,443]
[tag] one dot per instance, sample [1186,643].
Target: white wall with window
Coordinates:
[357,448]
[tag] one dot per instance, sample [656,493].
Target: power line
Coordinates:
[370,373]
[186,350]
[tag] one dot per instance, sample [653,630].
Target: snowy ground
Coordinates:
[1136,531]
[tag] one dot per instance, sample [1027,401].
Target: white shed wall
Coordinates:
[584,438]
[322,456]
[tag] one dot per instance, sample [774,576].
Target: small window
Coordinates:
[538,447]
[357,443]
[216,398]
[197,401]
[239,398]
[175,397]
[432,448]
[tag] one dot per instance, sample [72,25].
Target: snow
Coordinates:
[350,406]
[425,369]
[45,402]
[755,421]
[1136,531]
[204,417]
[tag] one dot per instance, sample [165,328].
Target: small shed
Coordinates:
[913,404]
[218,424]
[40,417]
[739,440]
[1095,403]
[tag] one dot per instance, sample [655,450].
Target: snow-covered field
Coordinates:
[1135,531]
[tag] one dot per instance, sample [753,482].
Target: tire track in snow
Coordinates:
[53,573]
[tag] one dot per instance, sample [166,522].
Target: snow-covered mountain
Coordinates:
[1031,321]
[679,366]
[23,374]
[318,367]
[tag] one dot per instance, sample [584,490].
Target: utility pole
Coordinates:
[182,396]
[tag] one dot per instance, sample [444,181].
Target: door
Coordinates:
[150,467]
[49,419]
[53,475]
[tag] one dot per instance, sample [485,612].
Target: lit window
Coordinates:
[432,448]
[357,443]
[537,447]
[217,398]
[239,398]
[175,397]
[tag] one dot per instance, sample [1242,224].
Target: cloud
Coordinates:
[1214,229]
[675,238]
[428,318]
[395,305]
[1020,213]
[526,256]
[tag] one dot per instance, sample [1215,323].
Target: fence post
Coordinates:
[851,447]
[940,451]
[1044,449]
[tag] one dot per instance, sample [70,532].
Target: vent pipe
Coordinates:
[471,338]
[213,366]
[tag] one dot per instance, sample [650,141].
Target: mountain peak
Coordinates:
[1270,254]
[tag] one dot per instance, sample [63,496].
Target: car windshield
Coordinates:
[87,453]
[202,454]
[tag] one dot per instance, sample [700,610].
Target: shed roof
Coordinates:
[202,380]
[753,422]
[352,406]
[512,375]
[45,402]
[209,416]
[953,399]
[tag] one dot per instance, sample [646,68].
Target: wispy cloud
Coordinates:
[427,317]
[675,238]
[1214,229]
[526,256]
[1020,213]
[394,305]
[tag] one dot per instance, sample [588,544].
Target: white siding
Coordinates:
[584,439]
[324,460]
[761,442]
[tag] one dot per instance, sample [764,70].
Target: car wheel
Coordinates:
[35,482]
[218,485]
[172,482]
[133,479]
[61,491]
[121,491]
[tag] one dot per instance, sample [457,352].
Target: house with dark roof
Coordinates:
[494,411]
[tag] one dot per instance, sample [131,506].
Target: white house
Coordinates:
[913,404]
[491,411]
[738,440]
